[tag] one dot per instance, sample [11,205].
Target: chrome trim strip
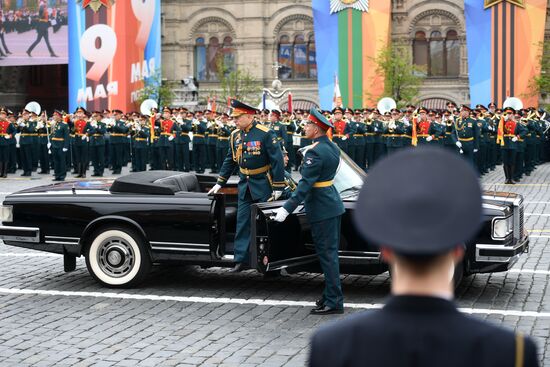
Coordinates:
[500,259]
[179,244]
[359,257]
[34,234]
[77,239]
[294,261]
[61,243]
[178,249]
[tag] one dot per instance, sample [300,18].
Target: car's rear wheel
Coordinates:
[117,257]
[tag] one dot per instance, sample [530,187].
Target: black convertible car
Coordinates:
[123,227]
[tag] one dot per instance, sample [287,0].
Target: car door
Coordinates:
[276,245]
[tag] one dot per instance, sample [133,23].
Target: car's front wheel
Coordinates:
[117,257]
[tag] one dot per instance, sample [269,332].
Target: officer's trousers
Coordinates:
[44,158]
[291,155]
[183,161]
[520,165]
[242,234]
[98,159]
[166,157]
[26,158]
[379,151]
[199,156]
[59,163]
[369,154]
[140,159]
[211,156]
[326,237]
[221,153]
[360,158]
[117,156]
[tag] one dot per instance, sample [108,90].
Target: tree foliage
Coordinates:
[402,79]
[239,83]
[157,89]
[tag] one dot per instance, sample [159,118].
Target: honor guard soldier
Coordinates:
[183,159]
[357,139]
[81,141]
[154,148]
[97,132]
[467,133]
[277,126]
[223,132]
[118,134]
[420,324]
[530,141]
[290,127]
[43,145]
[341,130]
[7,130]
[12,146]
[141,140]
[200,128]
[323,206]
[481,156]
[255,151]
[166,140]
[211,141]
[369,139]
[27,128]
[425,130]
[450,138]
[60,145]
[508,136]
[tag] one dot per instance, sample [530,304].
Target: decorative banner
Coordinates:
[503,38]
[114,47]
[358,36]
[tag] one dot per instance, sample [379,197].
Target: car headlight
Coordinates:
[6,213]
[502,227]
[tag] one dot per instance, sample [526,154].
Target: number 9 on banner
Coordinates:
[144,10]
[98,46]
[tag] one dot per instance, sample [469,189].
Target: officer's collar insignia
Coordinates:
[339,5]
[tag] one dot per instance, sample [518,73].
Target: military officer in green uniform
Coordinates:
[323,206]
[522,132]
[223,132]
[97,132]
[255,151]
[27,128]
[183,161]
[357,139]
[277,126]
[6,132]
[395,131]
[43,146]
[118,135]
[508,143]
[60,146]
[468,133]
[200,128]
[290,128]
[211,141]
[141,141]
[12,148]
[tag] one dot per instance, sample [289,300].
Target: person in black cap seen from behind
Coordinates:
[421,230]
[324,208]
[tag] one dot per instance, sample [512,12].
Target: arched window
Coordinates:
[439,55]
[284,57]
[297,58]
[420,50]
[453,53]
[200,59]
[228,53]
[212,59]
[312,57]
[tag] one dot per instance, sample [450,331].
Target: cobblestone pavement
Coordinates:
[193,316]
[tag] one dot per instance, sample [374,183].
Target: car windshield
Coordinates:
[349,177]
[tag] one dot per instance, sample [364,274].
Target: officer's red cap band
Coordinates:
[318,123]
[242,111]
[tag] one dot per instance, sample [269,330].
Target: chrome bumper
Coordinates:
[501,253]
[20,234]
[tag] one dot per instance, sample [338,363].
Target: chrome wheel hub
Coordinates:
[116,257]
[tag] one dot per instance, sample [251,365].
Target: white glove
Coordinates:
[49,145]
[171,137]
[458,144]
[40,125]
[280,214]
[84,137]
[375,130]
[214,190]
[277,194]
[21,124]
[429,138]
[514,139]
[17,146]
[65,149]
[475,150]
[94,124]
[344,138]
[7,136]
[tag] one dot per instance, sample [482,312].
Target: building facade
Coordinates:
[255,34]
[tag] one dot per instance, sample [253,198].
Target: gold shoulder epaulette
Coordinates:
[263,128]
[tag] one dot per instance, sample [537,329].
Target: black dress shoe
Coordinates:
[29,53]
[238,268]
[326,311]
[53,55]
[320,303]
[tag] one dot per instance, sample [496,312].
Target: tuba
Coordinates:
[386,105]
[147,105]
[513,102]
